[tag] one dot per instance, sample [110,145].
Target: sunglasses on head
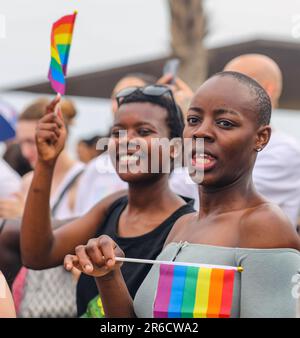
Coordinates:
[151,90]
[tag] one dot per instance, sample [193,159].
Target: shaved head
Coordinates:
[262,69]
[261,99]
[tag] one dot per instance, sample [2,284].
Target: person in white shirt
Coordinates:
[10,181]
[276,173]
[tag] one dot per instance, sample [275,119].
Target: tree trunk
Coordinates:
[188,29]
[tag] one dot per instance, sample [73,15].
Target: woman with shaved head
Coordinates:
[276,174]
[262,69]
[235,225]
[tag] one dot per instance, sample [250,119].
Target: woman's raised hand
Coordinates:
[95,259]
[51,133]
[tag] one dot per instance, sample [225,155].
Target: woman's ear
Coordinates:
[262,137]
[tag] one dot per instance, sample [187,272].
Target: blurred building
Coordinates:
[100,83]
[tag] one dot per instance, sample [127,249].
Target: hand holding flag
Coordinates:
[97,258]
[184,290]
[51,133]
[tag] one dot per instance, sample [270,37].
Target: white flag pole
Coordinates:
[150,261]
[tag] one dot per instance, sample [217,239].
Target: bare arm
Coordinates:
[41,247]
[36,223]
[10,259]
[113,287]
[97,259]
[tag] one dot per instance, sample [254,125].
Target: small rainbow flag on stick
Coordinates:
[190,290]
[61,38]
[193,292]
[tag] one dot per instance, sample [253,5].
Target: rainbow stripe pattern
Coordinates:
[192,292]
[61,38]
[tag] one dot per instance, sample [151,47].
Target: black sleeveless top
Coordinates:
[147,246]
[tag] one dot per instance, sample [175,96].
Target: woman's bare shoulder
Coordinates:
[178,229]
[266,226]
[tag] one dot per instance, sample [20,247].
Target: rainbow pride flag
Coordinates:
[193,292]
[61,38]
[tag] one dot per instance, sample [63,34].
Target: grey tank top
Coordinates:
[263,289]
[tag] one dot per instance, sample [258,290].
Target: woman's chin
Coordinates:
[143,178]
[204,179]
[132,177]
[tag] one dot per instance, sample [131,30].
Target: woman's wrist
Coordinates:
[45,165]
[111,276]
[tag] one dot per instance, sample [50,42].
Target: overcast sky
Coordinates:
[114,32]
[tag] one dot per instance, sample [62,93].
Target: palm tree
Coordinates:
[188,28]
